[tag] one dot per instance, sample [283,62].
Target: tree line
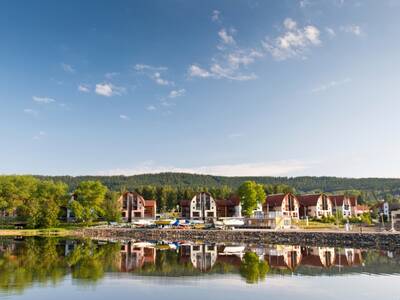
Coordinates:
[42,201]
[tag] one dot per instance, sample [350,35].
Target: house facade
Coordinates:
[229,208]
[315,206]
[341,205]
[286,205]
[134,206]
[201,207]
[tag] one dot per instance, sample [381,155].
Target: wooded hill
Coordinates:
[183,180]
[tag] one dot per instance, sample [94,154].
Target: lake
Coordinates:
[59,268]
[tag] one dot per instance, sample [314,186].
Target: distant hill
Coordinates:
[301,184]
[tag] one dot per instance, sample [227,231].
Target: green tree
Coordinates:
[252,268]
[89,203]
[251,194]
[112,209]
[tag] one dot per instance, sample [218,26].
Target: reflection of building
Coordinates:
[286,205]
[202,257]
[321,257]
[283,257]
[315,206]
[132,257]
[202,206]
[134,206]
[348,257]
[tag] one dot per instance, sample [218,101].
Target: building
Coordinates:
[201,207]
[134,206]
[315,206]
[361,209]
[229,208]
[341,205]
[286,205]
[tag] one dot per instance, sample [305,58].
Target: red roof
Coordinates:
[275,200]
[233,201]
[353,200]
[309,200]
[337,199]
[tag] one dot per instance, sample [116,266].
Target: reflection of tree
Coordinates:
[252,269]
[38,260]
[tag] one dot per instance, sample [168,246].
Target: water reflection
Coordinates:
[24,262]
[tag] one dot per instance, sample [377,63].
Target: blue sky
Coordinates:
[219,87]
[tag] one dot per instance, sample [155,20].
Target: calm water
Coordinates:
[53,268]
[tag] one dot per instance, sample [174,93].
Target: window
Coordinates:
[324,202]
[124,203]
[123,214]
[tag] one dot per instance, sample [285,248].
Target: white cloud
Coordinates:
[293,42]
[196,71]
[177,93]
[154,73]
[225,37]
[108,90]
[151,108]
[330,85]
[215,17]
[330,31]
[31,111]
[278,168]
[353,29]
[124,117]
[143,67]
[84,88]
[156,76]
[67,68]
[43,100]
[304,3]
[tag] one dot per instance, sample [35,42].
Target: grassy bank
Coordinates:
[37,232]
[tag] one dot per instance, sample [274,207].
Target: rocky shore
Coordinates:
[384,240]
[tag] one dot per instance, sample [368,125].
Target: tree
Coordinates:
[89,203]
[252,269]
[251,194]
[112,209]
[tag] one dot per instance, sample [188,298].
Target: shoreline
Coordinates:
[376,240]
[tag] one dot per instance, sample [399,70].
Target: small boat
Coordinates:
[164,222]
[233,222]
[143,222]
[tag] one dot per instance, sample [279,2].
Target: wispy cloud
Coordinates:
[331,32]
[235,135]
[43,100]
[84,88]
[225,37]
[294,41]
[31,111]
[177,93]
[278,168]
[154,73]
[67,68]
[39,136]
[151,108]
[216,14]
[156,76]
[124,117]
[109,90]
[329,85]
[111,75]
[352,29]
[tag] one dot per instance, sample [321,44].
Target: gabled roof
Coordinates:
[184,203]
[338,199]
[232,201]
[276,200]
[309,200]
